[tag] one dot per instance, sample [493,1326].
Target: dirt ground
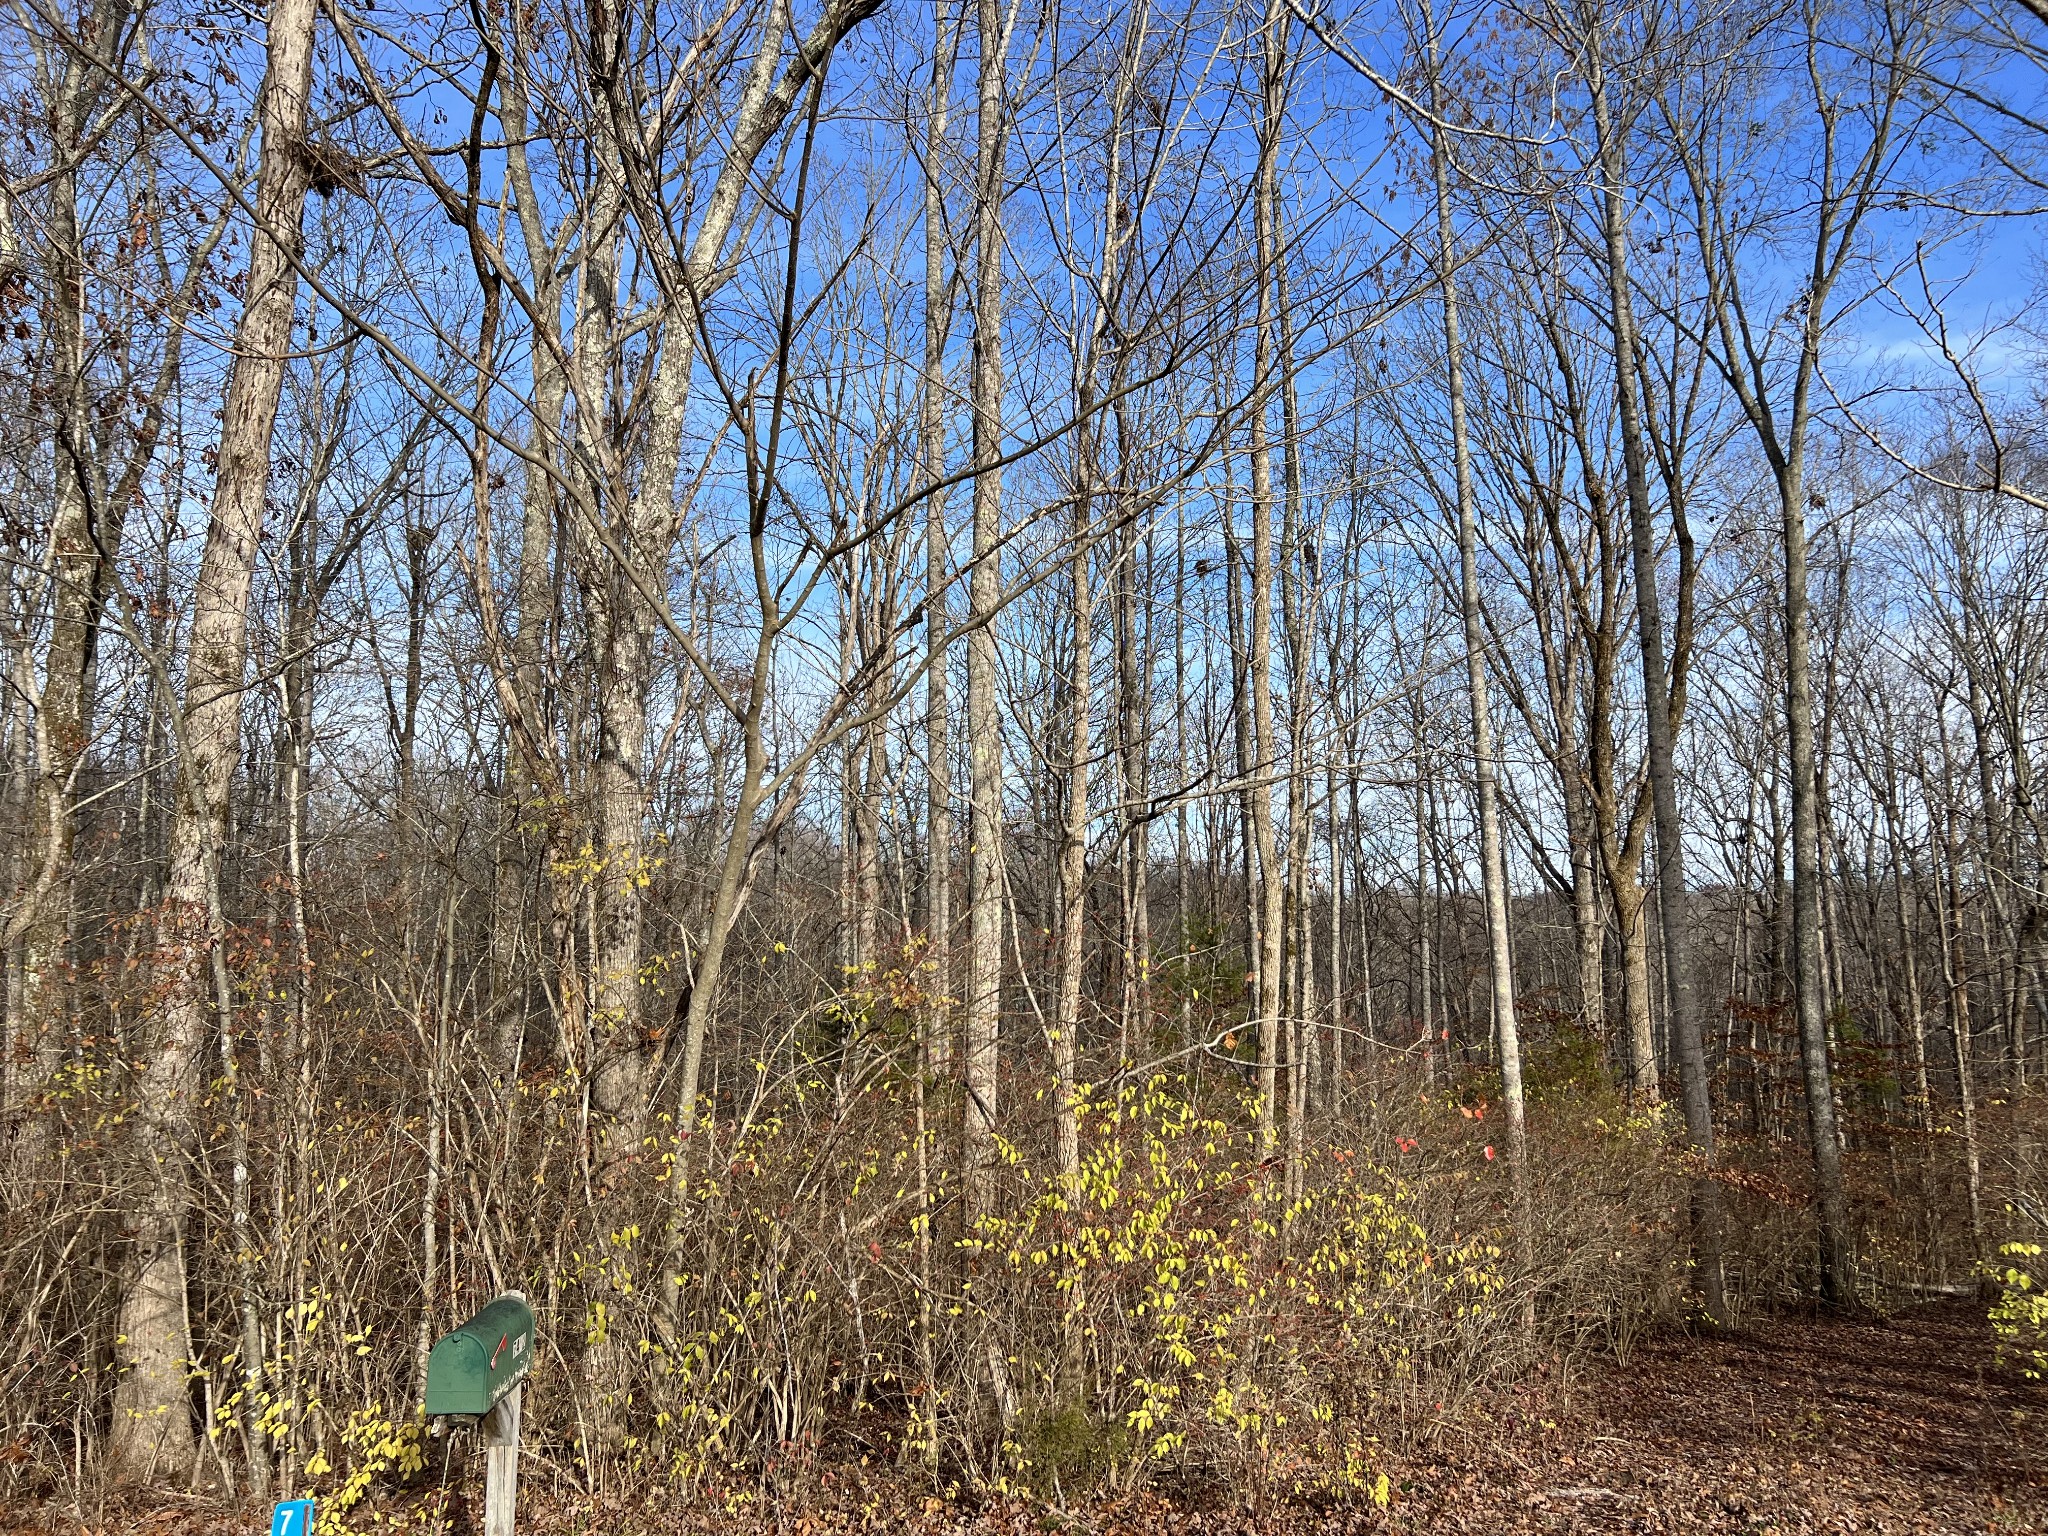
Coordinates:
[1820,1424]
[1900,1424]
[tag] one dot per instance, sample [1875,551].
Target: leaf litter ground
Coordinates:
[1794,1425]
[1901,1424]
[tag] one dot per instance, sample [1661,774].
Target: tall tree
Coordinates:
[1492,855]
[152,1434]
[981,1015]
[1853,165]
[1269,927]
[1663,696]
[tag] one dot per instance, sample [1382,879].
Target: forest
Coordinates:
[1113,752]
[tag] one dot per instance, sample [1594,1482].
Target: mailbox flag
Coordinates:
[293,1517]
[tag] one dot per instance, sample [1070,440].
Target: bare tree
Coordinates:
[152,1433]
[1855,167]
[1492,855]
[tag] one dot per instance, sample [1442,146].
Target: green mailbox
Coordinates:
[471,1369]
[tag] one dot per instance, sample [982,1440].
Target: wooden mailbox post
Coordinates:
[475,1374]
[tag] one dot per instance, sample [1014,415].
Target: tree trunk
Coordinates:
[1662,708]
[1955,964]
[1298,598]
[1133,715]
[1492,861]
[1632,918]
[1270,911]
[937,1016]
[1073,842]
[1831,1197]
[152,1432]
[981,1015]
[938,324]
[63,722]
[1589,920]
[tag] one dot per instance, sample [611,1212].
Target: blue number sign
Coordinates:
[294,1517]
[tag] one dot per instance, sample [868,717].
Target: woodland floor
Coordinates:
[1900,1424]
[1796,1424]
